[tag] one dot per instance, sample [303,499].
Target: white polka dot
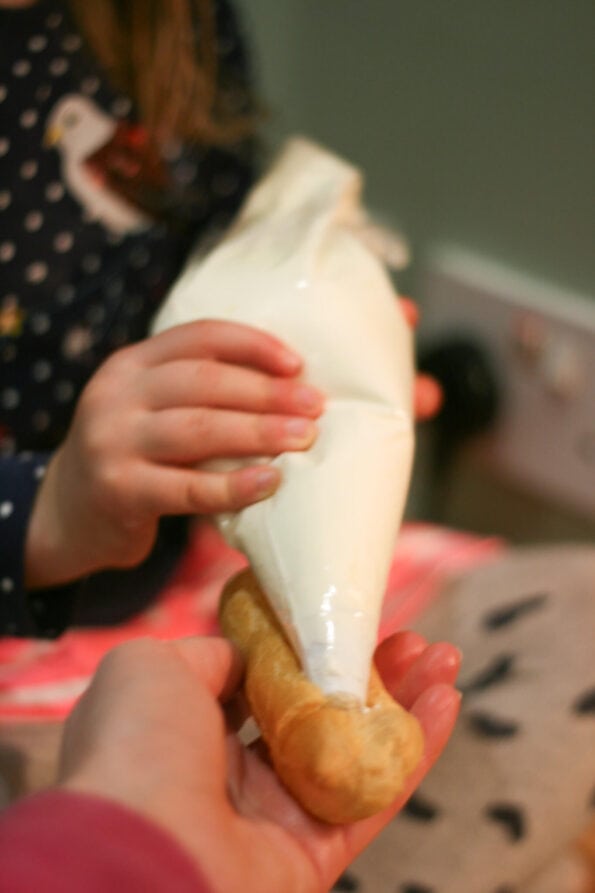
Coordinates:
[91,263]
[76,342]
[10,398]
[58,66]
[6,509]
[41,420]
[41,370]
[28,170]
[37,43]
[39,472]
[28,119]
[54,191]
[7,251]
[7,585]
[21,68]
[36,272]
[54,20]
[25,456]
[33,221]
[3,92]
[40,322]
[43,92]
[5,199]
[65,293]
[90,85]
[64,391]
[4,146]
[71,43]
[121,106]
[63,242]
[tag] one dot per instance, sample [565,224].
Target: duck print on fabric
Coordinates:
[85,137]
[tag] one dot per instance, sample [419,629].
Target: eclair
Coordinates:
[340,759]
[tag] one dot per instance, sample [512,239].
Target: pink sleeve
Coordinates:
[59,841]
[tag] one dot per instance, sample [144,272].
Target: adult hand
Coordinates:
[148,417]
[151,733]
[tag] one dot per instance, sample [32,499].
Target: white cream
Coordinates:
[293,264]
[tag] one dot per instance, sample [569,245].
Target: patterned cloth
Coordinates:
[83,268]
[516,783]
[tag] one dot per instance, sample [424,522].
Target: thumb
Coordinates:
[215,661]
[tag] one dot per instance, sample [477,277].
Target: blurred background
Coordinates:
[474,126]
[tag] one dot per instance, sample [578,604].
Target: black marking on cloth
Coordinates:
[499,670]
[415,888]
[420,809]
[347,883]
[489,726]
[585,703]
[510,817]
[503,616]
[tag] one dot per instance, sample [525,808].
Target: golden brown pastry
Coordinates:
[341,762]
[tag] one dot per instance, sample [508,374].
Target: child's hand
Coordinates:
[147,418]
[151,734]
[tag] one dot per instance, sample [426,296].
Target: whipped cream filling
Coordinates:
[321,546]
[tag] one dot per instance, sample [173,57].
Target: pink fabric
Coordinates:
[59,842]
[43,679]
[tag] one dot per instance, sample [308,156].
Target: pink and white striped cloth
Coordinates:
[42,679]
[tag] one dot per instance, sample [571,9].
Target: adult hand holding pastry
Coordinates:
[153,733]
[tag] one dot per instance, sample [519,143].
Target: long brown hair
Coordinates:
[149,49]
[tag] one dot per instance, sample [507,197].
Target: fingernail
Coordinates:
[306,397]
[291,360]
[266,481]
[298,431]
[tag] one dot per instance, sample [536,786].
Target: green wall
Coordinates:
[474,121]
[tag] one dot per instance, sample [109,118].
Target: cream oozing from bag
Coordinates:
[294,265]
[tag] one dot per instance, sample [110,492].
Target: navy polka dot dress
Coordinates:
[92,233]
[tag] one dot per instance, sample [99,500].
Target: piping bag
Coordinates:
[296,263]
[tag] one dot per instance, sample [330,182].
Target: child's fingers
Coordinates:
[229,342]
[173,491]
[212,383]
[191,436]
